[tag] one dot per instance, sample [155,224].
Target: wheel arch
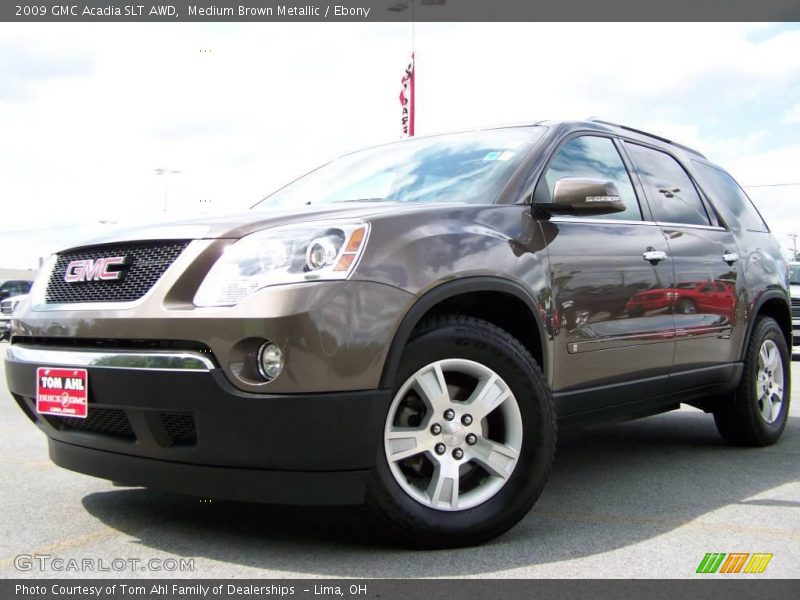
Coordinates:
[514,309]
[771,304]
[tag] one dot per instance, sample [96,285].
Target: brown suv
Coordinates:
[406,326]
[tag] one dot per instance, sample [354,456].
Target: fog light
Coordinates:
[270,361]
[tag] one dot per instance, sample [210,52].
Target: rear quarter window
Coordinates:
[729,198]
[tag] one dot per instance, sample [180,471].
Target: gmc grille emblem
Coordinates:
[98,269]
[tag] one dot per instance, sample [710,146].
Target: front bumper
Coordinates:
[187,429]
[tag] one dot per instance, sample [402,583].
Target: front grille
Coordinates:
[6,307]
[146,262]
[180,428]
[796,308]
[103,421]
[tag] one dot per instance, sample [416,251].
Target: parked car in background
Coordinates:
[794,290]
[7,308]
[408,326]
[11,292]
[14,287]
[686,298]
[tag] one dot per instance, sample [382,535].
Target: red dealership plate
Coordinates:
[62,392]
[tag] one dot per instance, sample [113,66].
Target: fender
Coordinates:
[757,305]
[449,290]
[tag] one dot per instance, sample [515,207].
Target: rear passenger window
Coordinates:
[595,158]
[673,197]
[729,198]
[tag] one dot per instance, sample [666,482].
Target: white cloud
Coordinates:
[92,109]
[793,114]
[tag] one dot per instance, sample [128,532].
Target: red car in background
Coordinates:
[688,298]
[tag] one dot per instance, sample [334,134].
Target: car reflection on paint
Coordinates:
[614,328]
[590,303]
[697,297]
[695,324]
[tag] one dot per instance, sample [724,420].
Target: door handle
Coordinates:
[654,256]
[730,257]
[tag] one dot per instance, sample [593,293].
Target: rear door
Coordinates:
[598,266]
[705,260]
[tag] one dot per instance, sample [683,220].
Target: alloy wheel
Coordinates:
[453,434]
[769,381]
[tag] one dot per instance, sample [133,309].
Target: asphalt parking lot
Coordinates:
[645,499]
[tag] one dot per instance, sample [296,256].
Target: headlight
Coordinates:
[287,254]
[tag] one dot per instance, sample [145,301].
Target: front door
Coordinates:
[607,329]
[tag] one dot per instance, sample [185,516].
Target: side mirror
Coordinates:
[578,195]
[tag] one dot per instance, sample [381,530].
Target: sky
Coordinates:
[89,111]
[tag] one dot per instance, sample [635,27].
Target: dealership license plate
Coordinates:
[62,392]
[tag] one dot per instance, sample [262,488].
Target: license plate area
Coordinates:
[62,392]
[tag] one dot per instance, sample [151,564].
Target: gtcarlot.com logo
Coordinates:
[734,562]
[47,562]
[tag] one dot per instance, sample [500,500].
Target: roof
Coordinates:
[648,134]
[600,124]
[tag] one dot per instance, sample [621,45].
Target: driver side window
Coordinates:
[595,158]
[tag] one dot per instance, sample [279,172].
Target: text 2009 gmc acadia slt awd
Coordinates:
[406,326]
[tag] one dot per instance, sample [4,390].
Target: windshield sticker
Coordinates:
[499,155]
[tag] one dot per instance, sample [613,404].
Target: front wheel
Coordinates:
[686,306]
[469,438]
[755,415]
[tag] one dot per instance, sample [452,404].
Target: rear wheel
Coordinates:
[637,311]
[755,415]
[469,438]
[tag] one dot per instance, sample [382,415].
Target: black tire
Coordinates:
[404,519]
[686,306]
[738,416]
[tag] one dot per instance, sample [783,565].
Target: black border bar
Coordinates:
[732,588]
[400,11]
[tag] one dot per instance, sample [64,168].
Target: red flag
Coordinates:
[407,99]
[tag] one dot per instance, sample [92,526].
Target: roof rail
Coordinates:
[648,134]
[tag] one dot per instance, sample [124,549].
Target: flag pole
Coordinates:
[414,71]
[413,24]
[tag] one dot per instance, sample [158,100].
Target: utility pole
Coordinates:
[166,173]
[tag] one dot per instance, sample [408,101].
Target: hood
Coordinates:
[234,226]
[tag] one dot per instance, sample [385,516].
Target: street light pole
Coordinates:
[166,173]
[794,237]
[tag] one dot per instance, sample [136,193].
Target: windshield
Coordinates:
[463,167]
[794,276]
